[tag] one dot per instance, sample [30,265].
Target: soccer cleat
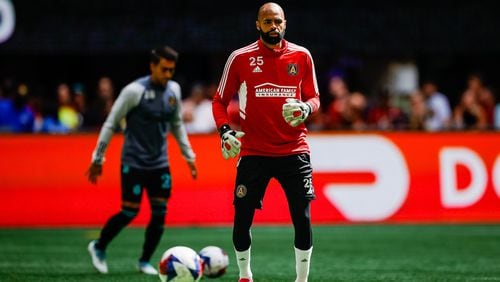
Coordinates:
[98,258]
[245,280]
[146,268]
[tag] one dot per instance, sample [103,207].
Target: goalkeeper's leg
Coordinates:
[242,238]
[303,238]
[296,180]
[252,178]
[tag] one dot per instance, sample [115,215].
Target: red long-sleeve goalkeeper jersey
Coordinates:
[264,78]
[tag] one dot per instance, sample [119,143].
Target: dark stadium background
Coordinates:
[79,41]
[46,194]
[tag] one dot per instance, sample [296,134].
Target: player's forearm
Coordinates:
[219,111]
[102,144]
[180,135]
[314,103]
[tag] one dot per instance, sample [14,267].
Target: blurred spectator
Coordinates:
[483,96]
[469,114]
[46,120]
[497,117]
[197,111]
[355,111]
[101,105]
[315,122]
[66,112]
[384,115]
[418,111]
[335,111]
[80,102]
[438,115]
[6,104]
[16,114]
[80,99]
[25,116]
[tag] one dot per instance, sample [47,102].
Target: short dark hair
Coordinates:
[165,52]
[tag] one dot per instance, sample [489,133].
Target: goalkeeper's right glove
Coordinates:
[229,141]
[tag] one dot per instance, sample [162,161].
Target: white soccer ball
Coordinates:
[215,261]
[180,264]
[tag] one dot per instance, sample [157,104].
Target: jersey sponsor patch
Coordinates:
[273,90]
[241,191]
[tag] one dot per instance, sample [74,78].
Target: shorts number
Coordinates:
[165,178]
[308,186]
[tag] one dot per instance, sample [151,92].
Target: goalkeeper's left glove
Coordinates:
[295,111]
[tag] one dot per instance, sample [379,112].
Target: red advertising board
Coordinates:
[379,177]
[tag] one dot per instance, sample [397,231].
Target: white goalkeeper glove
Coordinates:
[295,111]
[229,141]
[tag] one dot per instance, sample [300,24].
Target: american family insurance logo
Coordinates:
[273,90]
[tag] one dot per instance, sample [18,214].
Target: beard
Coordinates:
[273,40]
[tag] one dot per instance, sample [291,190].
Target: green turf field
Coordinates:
[341,253]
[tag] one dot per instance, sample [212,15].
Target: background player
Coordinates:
[276,84]
[152,107]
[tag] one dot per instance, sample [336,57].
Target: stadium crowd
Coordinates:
[71,109]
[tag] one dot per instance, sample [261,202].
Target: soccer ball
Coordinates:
[180,264]
[215,261]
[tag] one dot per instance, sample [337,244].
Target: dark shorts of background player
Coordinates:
[293,172]
[156,182]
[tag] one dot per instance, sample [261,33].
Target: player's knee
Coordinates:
[159,207]
[158,212]
[301,213]
[242,239]
[129,212]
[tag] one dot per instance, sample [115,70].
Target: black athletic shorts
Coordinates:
[157,183]
[293,172]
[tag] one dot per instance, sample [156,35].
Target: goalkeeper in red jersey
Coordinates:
[277,90]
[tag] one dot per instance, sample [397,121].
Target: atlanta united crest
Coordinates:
[293,69]
[241,191]
[172,101]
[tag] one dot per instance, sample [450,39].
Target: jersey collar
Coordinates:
[273,52]
[156,86]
